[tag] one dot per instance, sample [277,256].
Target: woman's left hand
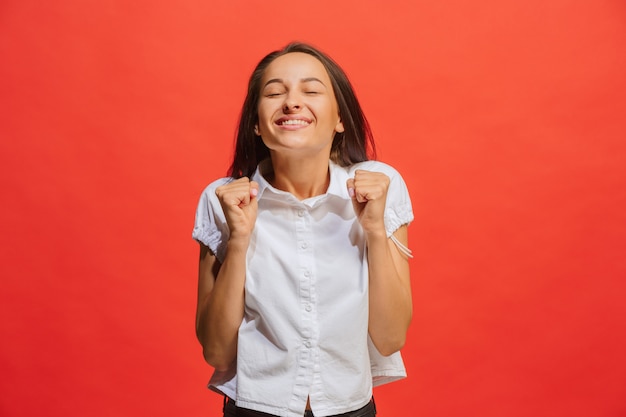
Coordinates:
[369,194]
[390,305]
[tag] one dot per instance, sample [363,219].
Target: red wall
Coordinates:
[507,119]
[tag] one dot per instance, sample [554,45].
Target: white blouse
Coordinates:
[304,332]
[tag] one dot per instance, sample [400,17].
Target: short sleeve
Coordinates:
[210,227]
[398,210]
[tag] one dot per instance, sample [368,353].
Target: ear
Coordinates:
[339,128]
[256,130]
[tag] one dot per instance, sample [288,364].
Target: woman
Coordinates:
[304,295]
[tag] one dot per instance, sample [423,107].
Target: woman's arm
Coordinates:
[220,307]
[390,304]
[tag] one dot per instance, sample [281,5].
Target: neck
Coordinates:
[303,177]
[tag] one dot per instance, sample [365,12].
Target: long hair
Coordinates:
[355,144]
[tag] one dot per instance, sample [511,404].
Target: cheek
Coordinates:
[333,116]
[333,111]
[264,114]
[261,119]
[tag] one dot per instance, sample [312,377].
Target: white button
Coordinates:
[304,245]
[300,213]
[307,273]
[307,344]
[308,307]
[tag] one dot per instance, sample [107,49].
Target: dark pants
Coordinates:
[231,410]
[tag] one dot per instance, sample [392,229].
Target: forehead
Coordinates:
[295,66]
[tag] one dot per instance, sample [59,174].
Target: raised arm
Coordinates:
[220,307]
[390,300]
[390,303]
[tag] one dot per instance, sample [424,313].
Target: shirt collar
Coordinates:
[337,186]
[338,178]
[263,168]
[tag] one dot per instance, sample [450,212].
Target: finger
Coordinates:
[350,185]
[231,185]
[371,185]
[357,188]
[361,196]
[362,182]
[236,193]
[254,189]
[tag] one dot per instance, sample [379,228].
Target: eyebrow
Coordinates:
[303,80]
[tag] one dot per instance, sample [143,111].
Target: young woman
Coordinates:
[304,295]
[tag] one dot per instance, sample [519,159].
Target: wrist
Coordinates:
[238,242]
[378,233]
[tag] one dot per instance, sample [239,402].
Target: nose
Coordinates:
[292,103]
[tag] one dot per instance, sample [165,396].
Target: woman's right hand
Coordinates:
[221,283]
[240,205]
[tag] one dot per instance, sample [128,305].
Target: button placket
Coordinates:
[305,256]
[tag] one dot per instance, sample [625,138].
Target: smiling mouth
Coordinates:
[294,122]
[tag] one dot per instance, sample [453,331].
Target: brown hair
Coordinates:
[354,145]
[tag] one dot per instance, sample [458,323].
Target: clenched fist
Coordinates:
[369,195]
[238,200]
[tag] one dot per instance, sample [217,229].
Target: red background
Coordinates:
[507,120]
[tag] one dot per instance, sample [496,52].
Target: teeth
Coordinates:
[295,122]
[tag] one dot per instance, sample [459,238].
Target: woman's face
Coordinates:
[298,112]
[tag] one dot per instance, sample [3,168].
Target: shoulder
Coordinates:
[210,227]
[208,204]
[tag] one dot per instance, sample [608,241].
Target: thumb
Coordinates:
[254,189]
[350,185]
[254,192]
[351,191]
